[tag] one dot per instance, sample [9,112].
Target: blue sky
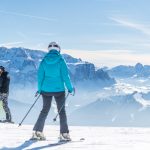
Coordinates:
[105,32]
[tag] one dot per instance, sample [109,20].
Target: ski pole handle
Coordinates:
[36,94]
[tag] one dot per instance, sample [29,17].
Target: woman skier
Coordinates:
[53,76]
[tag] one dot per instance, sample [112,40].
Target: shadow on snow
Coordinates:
[29,143]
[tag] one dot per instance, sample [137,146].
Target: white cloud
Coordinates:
[110,58]
[136,43]
[140,27]
[10,44]
[108,41]
[26,15]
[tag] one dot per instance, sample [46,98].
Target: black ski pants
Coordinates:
[47,99]
[4,99]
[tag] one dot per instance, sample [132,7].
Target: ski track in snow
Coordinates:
[96,138]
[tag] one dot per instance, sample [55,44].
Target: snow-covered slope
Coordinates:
[96,138]
[23,64]
[119,110]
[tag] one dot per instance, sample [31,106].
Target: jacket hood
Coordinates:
[52,57]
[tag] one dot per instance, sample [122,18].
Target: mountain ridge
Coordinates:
[23,63]
[123,71]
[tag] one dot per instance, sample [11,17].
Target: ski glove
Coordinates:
[72,92]
[37,93]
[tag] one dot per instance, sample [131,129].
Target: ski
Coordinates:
[35,139]
[69,141]
[59,141]
[64,141]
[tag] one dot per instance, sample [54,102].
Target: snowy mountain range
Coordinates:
[122,71]
[111,104]
[23,64]
[119,110]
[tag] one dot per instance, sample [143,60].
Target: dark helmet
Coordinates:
[2,68]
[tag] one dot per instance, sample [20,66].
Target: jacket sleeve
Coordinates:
[8,81]
[65,76]
[6,84]
[41,74]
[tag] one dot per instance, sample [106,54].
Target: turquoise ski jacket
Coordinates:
[53,73]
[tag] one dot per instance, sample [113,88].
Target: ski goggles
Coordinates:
[53,46]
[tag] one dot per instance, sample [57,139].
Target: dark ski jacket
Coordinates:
[4,82]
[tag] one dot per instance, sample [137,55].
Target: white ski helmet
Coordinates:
[54,46]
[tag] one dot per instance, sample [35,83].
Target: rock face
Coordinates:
[138,70]
[23,64]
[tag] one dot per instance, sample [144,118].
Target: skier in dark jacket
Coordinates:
[52,78]
[4,92]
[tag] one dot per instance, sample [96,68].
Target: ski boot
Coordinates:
[64,137]
[37,135]
[7,121]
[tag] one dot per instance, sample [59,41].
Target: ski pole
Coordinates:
[60,108]
[63,104]
[29,110]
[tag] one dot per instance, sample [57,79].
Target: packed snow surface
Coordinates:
[96,138]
